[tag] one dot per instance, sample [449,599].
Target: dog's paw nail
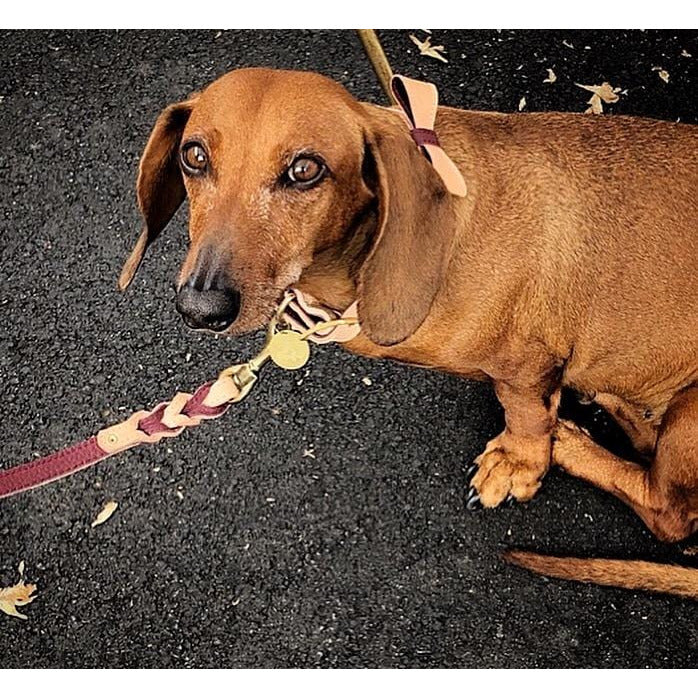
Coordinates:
[470,472]
[472,500]
[509,501]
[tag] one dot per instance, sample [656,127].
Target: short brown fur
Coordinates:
[571,262]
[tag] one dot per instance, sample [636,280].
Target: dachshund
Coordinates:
[570,262]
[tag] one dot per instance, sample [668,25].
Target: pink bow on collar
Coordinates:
[418,102]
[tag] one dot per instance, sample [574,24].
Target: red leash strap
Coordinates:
[50,468]
[167,419]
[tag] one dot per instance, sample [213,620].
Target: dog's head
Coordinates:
[289,176]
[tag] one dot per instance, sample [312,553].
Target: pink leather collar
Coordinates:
[303,312]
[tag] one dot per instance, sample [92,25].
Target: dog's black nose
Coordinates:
[212,309]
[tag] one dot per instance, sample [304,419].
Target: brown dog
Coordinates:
[571,262]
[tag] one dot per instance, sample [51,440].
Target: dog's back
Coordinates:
[604,211]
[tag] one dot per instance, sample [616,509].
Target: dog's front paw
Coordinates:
[502,474]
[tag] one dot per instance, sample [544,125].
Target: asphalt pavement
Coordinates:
[321,523]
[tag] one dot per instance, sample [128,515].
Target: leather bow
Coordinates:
[418,102]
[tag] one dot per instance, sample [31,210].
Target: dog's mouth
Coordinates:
[260,300]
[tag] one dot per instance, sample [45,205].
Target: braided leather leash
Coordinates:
[296,322]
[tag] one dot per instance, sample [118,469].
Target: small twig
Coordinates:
[376,55]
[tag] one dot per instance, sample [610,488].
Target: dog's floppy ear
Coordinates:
[160,187]
[412,245]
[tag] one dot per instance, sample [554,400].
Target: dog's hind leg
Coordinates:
[665,495]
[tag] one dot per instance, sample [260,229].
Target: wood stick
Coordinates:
[376,55]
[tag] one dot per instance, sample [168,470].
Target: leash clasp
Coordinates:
[232,385]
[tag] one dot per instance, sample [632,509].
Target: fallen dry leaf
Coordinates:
[602,93]
[691,550]
[104,515]
[596,106]
[607,93]
[551,76]
[663,74]
[685,53]
[426,49]
[567,43]
[18,595]
[522,103]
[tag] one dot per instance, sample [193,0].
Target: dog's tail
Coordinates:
[626,574]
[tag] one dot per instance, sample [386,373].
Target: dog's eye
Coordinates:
[194,158]
[306,171]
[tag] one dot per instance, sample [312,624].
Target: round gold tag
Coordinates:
[288,350]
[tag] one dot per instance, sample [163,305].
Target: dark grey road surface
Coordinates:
[230,548]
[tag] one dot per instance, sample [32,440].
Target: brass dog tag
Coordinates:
[289,350]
